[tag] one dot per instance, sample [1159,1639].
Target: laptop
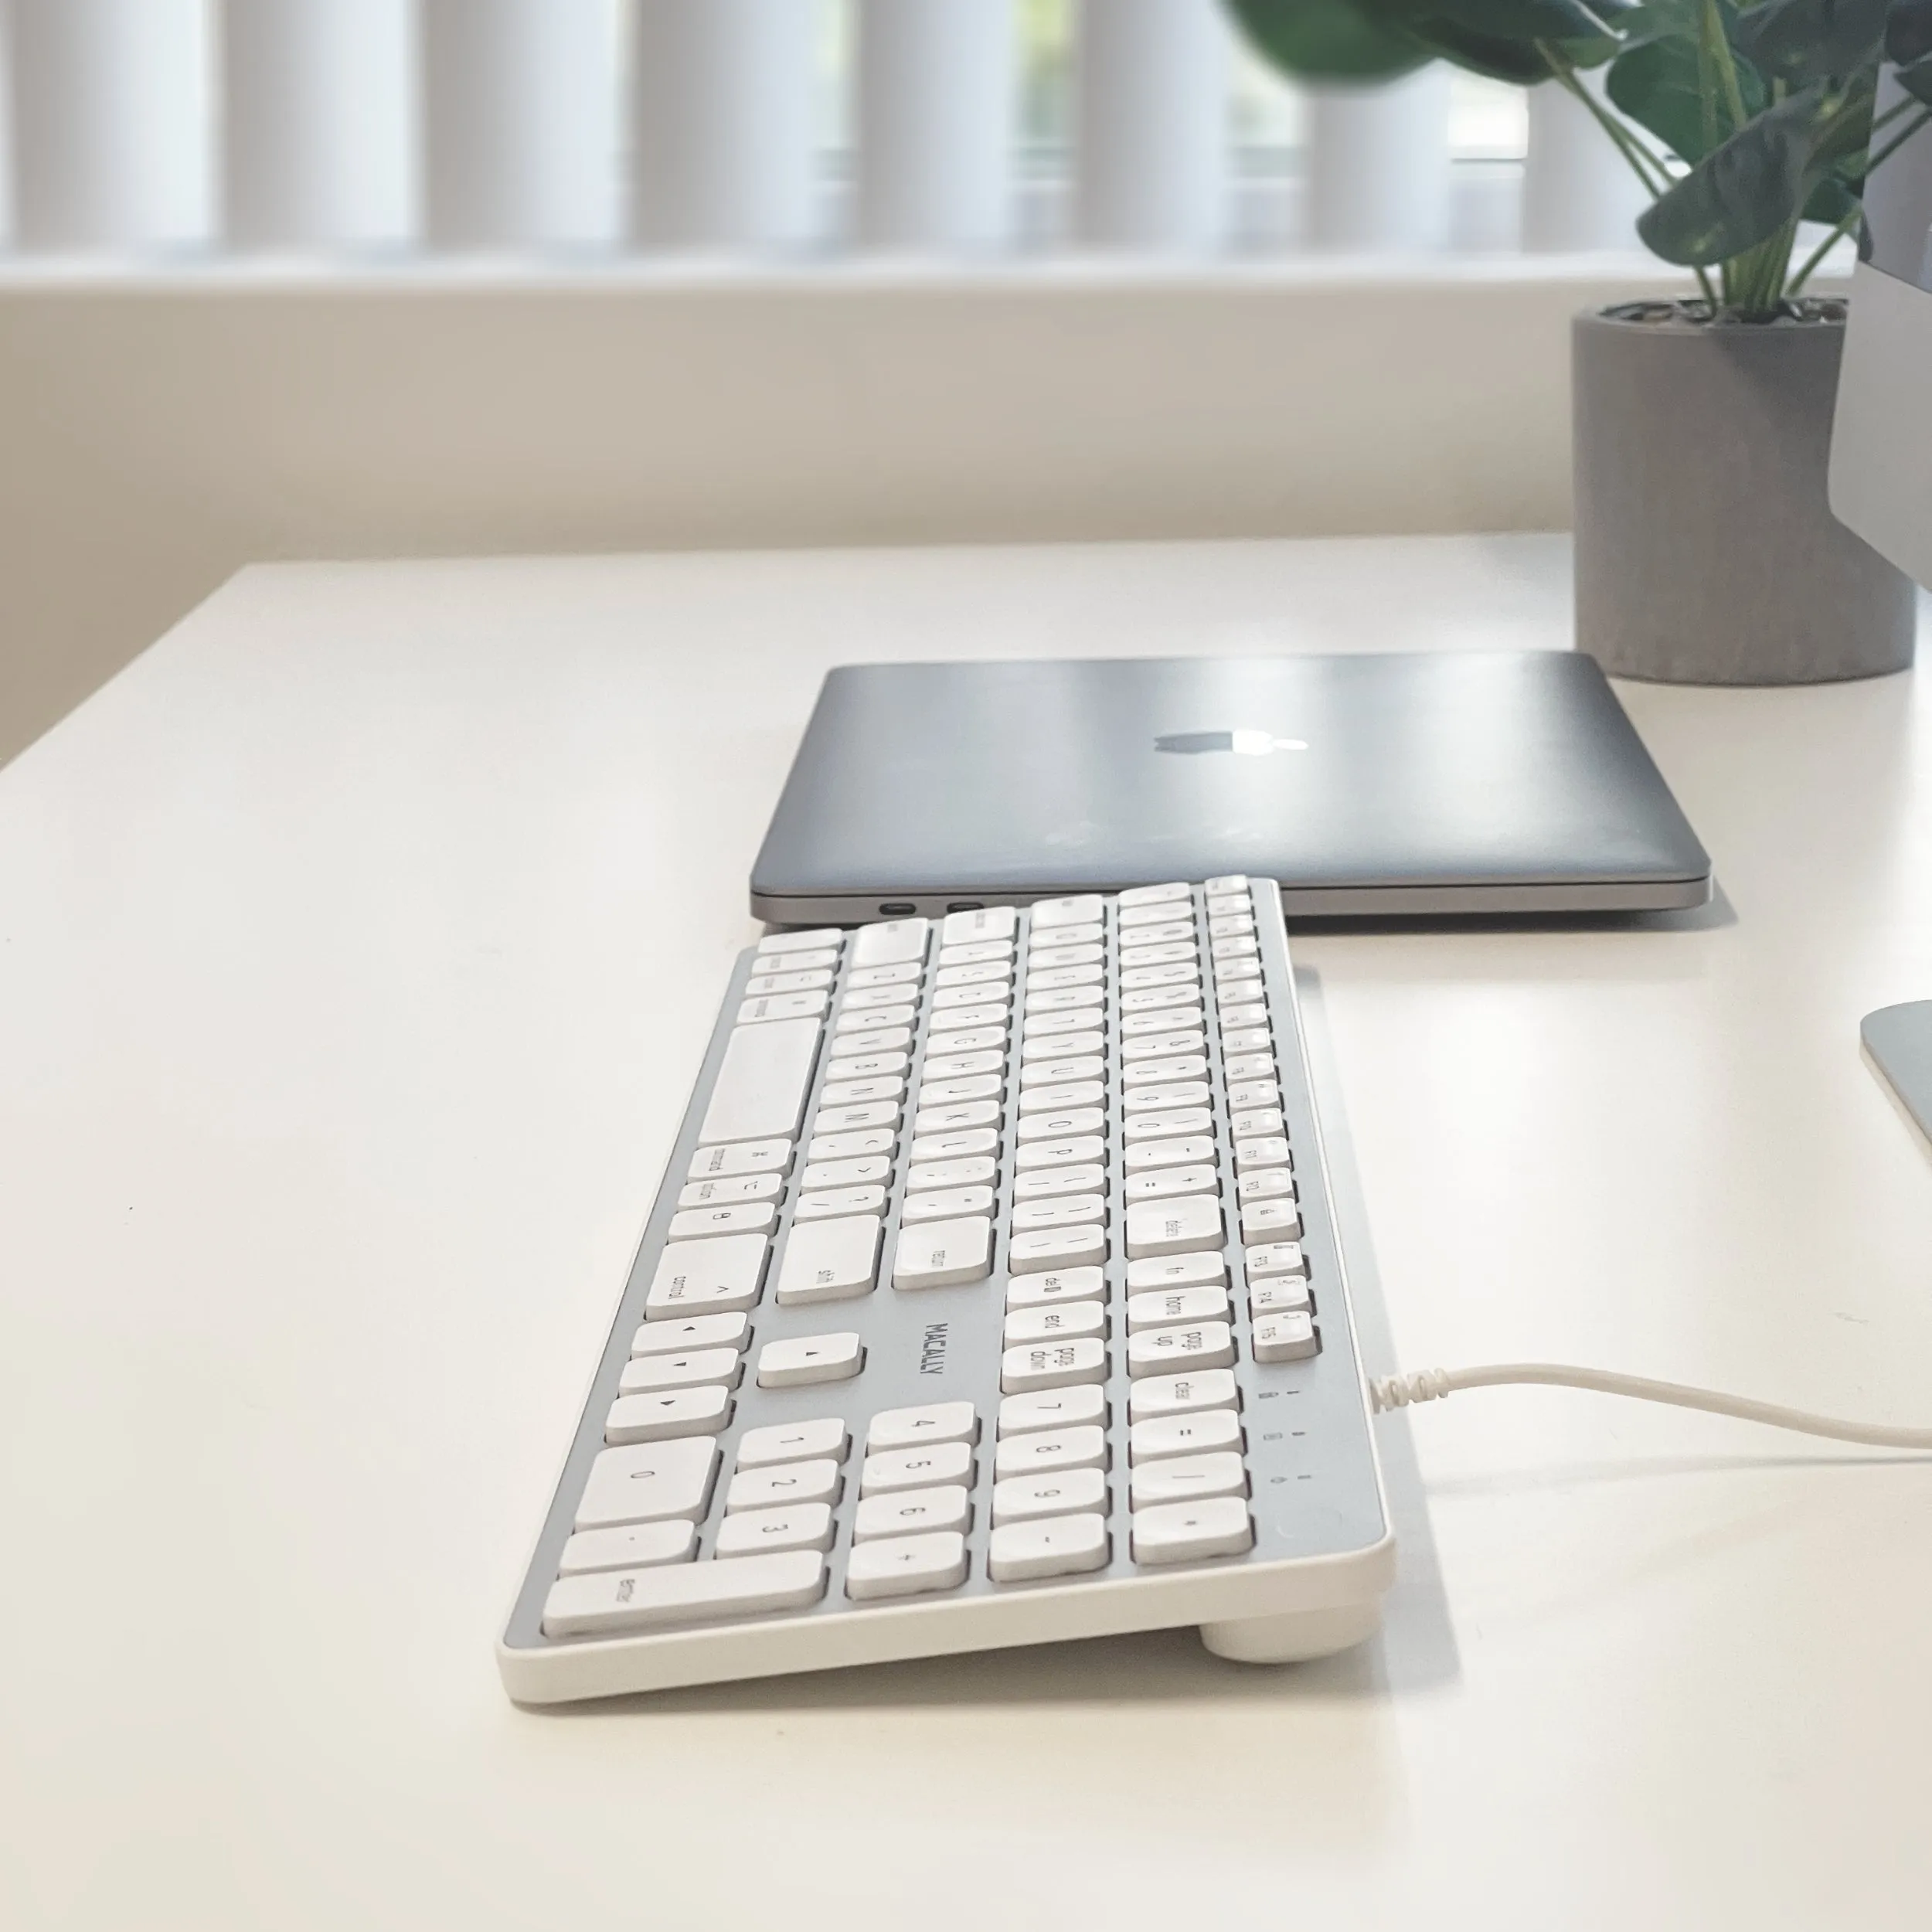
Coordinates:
[1423,784]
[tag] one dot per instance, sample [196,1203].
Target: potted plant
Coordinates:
[1705,553]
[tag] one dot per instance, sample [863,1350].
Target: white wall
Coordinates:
[162,433]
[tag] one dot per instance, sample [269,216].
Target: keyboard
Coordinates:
[992,1297]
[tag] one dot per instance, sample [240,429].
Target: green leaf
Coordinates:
[1531,20]
[1659,84]
[1327,39]
[1799,41]
[1501,60]
[1908,32]
[1743,191]
[1832,201]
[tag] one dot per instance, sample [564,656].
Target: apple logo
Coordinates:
[1243,744]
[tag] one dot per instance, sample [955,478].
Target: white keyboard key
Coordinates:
[692,1369]
[731,1188]
[1070,1210]
[1058,1127]
[1189,1435]
[1270,1151]
[983,922]
[826,937]
[1056,1248]
[1083,1045]
[975,952]
[1201,1345]
[1039,1075]
[952,1025]
[1167,1097]
[865,1022]
[782,1006]
[835,1202]
[853,1120]
[1241,1017]
[1246,1093]
[1250,1066]
[1081,1150]
[921,1467]
[663,1414]
[851,1147]
[1169,1307]
[870,1170]
[908,973]
[743,1217]
[623,1599]
[940,1254]
[1053,1409]
[860,1041]
[1140,979]
[1265,1184]
[1062,1097]
[1256,1122]
[1054,1321]
[1040,1451]
[1085,909]
[1196,1121]
[1184,1478]
[1019,1553]
[963,1066]
[890,942]
[696,1331]
[1060,1493]
[804,1525]
[1171,1032]
[1176,1271]
[854,1093]
[1056,979]
[801,1359]
[975,1142]
[806,959]
[807,1441]
[1045,958]
[1074,936]
[1039,1026]
[1185,1533]
[1052,1364]
[1165,932]
[762,984]
[986,973]
[1063,999]
[1232,969]
[1161,999]
[952,999]
[1221,925]
[1053,1285]
[1048,1183]
[649,1482]
[973,1170]
[829,1261]
[948,1092]
[1280,1294]
[1263,1221]
[1160,894]
[1182,952]
[1290,1337]
[906,1565]
[1164,1183]
[1235,947]
[1276,1258]
[1159,1070]
[637,1545]
[1186,1044]
[1180,1226]
[772,1484]
[1178,1394]
[931,1422]
[1228,885]
[760,1092]
[956,1119]
[707,1277]
[908,1512]
[946,1203]
[748,1157]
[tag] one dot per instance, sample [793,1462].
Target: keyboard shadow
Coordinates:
[1415,1650]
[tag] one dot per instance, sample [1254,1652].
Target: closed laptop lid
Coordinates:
[1472,772]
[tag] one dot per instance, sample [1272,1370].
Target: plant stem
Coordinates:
[1712,34]
[1646,166]
[1840,230]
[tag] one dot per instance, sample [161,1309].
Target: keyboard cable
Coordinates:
[1388,1392]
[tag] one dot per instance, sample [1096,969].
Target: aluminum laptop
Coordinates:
[1423,784]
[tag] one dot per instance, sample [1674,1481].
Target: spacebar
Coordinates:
[760,1089]
[724,1586]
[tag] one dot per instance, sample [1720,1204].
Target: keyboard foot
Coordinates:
[1294,1636]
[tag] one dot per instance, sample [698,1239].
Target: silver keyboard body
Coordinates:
[1049,1497]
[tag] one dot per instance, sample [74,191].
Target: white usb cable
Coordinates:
[1431,1385]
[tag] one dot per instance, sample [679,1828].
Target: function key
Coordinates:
[892,943]
[1157,894]
[1086,909]
[1288,1337]
[1280,1294]
[1276,1258]
[1227,885]
[983,923]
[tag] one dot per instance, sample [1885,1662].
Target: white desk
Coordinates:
[356,947]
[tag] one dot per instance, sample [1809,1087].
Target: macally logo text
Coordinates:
[932,1351]
[1243,744]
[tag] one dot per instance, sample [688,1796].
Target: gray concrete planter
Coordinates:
[1705,553]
